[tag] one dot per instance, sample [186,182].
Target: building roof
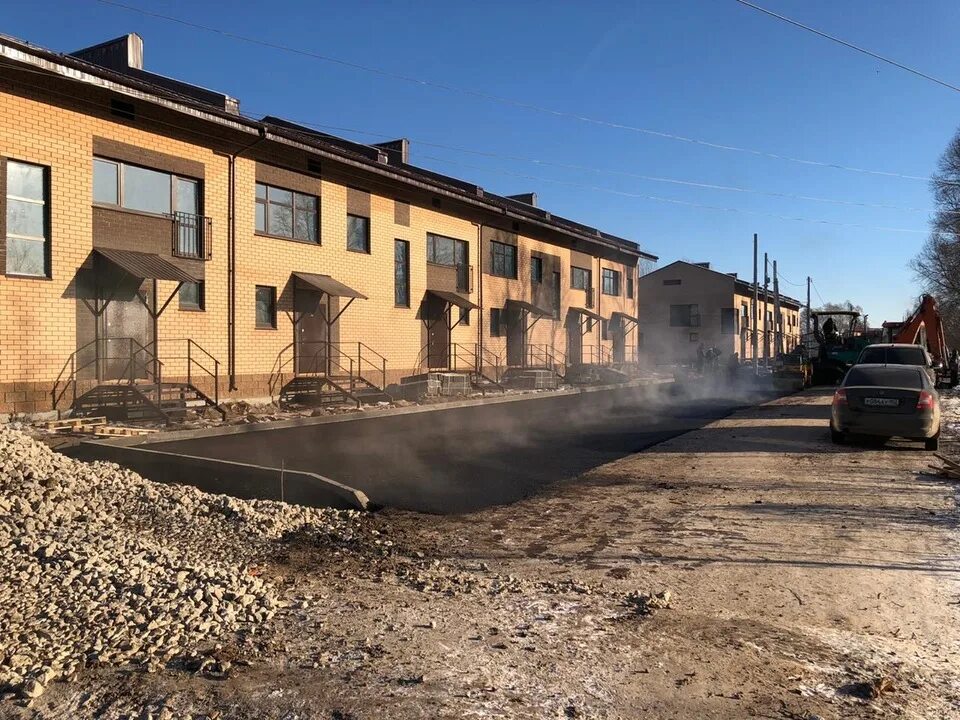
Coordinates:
[741,286]
[216,107]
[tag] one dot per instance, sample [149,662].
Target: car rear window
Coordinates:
[894,356]
[885,377]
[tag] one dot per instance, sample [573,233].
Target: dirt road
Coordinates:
[803,579]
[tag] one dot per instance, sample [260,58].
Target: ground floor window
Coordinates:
[191,296]
[27,226]
[401,273]
[266,307]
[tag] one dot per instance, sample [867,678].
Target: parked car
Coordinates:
[898,354]
[887,401]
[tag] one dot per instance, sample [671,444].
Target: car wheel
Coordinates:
[836,437]
[932,443]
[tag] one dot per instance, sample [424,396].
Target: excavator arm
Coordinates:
[925,317]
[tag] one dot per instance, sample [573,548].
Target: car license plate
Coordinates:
[881,402]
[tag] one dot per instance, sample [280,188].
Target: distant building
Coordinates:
[683,305]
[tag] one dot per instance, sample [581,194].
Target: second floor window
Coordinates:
[580,278]
[448,251]
[139,188]
[536,270]
[503,260]
[611,282]
[401,273]
[287,214]
[684,316]
[358,233]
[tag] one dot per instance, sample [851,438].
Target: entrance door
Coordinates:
[619,340]
[126,328]
[438,333]
[574,340]
[311,332]
[516,336]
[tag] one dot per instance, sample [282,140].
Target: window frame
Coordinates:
[630,288]
[366,240]
[265,202]
[536,270]
[577,271]
[201,305]
[47,238]
[611,276]
[120,189]
[432,239]
[498,250]
[496,322]
[397,243]
[690,315]
[273,307]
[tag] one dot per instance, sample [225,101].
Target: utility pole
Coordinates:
[753,311]
[777,323]
[766,285]
[807,330]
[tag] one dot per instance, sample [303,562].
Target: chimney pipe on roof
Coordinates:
[704,265]
[526,198]
[122,53]
[398,151]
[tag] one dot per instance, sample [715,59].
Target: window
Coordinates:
[358,233]
[27,226]
[694,337]
[401,273]
[464,316]
[441,250]
[580,278]
[630,288]
[503,259]
[604,329]
[495,328]
[671,282]
[266,307]
[684,316]
[536,270]
[556,296]
[448,251]
[287,214]
[139,188]
[191,296]
[611,282]
[728,321]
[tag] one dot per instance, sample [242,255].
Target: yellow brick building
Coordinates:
[151,232]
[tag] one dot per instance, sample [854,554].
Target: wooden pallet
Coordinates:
[76,424]
[117,430]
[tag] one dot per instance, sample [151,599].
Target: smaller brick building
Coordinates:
[685,305]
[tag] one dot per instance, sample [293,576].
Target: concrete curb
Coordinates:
[227,477]
[163,437]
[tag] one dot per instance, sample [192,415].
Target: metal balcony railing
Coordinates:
[192,236]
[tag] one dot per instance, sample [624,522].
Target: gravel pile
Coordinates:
[100,566]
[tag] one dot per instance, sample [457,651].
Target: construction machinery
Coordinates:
[924,327]
[833,349]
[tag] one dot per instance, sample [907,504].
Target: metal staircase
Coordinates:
[125,380]
[321,373]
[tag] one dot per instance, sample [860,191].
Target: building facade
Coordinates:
[151,233]
[684,306]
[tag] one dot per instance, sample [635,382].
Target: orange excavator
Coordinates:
[925,327]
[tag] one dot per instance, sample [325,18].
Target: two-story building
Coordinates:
[684,306]
[155,242]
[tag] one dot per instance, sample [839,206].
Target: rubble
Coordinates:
[648,604]
[105,567]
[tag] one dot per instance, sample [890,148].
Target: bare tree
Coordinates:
[937,265]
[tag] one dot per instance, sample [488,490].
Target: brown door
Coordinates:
[125,344]
[619,341]
[311,347]
[516,335]
[438,333]
[574,340]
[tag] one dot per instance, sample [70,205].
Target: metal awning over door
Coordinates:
[530,309]
[143,266]
[453,299]
[625,320]
[327,285]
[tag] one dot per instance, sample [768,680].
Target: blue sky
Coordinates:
[708,69]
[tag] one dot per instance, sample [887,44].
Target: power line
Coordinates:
[622,173]
[675,201]
[504,100]
[850,45]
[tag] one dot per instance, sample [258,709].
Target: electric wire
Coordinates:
[845,43]
[504,100]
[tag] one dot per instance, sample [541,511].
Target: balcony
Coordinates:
[192,236]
